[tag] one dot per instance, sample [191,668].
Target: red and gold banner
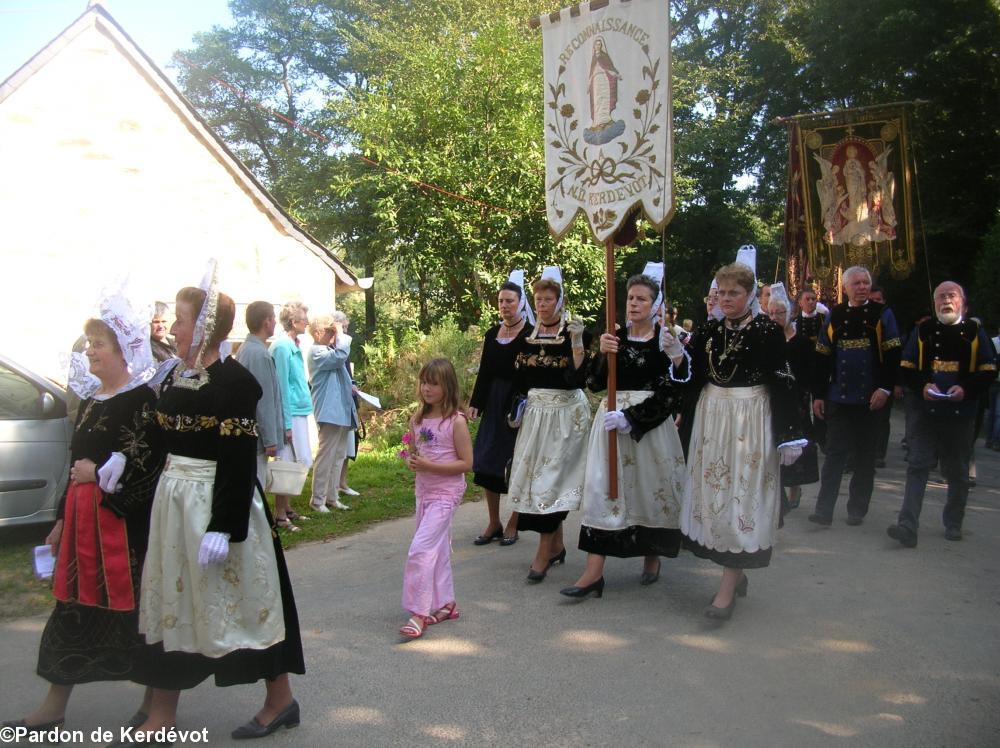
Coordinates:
[849,196]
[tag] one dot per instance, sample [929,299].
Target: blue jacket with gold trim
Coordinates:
[947,355]
[857,353]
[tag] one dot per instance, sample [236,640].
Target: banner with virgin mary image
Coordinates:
[608,139]
[850,172]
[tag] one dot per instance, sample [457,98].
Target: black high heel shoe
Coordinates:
[580,592]
[559,558]
[721,614]
[288,717]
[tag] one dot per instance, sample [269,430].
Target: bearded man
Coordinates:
[948,362]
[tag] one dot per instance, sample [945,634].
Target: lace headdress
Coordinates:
[129,321]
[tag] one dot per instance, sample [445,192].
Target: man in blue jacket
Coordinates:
[948,363]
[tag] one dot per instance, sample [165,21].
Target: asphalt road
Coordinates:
[848,639]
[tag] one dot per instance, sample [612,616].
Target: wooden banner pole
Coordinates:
[609,272]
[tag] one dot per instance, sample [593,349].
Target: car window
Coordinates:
[19,398]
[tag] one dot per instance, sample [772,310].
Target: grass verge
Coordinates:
[386,488]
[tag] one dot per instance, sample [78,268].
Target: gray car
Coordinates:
[35,431]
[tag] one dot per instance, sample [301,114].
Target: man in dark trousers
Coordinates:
[885,415]
[948,363]
[857,358]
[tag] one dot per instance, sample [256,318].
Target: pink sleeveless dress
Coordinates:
[435,441]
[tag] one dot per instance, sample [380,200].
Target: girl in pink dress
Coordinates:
[440,453]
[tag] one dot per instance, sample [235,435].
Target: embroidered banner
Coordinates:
[849,196]
[608,139]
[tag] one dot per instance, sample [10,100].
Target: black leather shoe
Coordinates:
[487,539]
[289,717]
[721,614]
[952,533]
[508,541]
[650,577]
[559,558]
[534,577]
[596,587]
[904,535]
[854,520]
[821,519]
[138,719]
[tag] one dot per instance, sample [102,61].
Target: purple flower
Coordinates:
[426,435]
[403,454]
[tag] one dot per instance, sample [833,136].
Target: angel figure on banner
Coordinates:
[882,192]
[832,198]
[603,87]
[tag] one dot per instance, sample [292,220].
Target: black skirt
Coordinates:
[541,523]
[494,445]
[84,644]
[631,542]
[741,560]
[804,470]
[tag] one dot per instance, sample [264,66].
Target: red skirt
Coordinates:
[93,563]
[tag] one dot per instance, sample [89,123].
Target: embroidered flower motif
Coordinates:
[717,475]
[230,575]
[169,621]
[179,585]
[746,524]
[263,614]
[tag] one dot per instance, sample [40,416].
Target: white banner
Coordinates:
[608,139]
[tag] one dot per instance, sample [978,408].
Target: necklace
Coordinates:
[508,332]
[729,348]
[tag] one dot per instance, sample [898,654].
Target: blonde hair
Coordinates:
[438,371]
[739,274]
[319,324]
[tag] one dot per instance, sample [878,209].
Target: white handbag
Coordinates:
[286,478]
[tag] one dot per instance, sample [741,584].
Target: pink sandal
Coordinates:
[415,627]
[448,612]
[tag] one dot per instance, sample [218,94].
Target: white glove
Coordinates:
[670,344]
[575,329]
[789,453]
[110,472]
[214,548]
[616,420]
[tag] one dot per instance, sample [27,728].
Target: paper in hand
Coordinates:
[45,562]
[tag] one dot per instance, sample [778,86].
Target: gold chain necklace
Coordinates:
[729,348]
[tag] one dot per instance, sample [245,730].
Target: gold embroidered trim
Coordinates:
[892,343]
[986,367]
[820,348]
[185,422]
[855,343]
[238,427]
[907,364]
[950,366]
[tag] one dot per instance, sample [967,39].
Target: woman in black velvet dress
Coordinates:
[216,597]
[644,518]
[490,401]
[745,424]
[101,530]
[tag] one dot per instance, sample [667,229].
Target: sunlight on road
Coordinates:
[444,732]
[828,728]
[591,641]
[357,715]
[707,643]
[904,698]
[447,647]
[844,645]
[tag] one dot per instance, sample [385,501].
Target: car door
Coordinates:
[34,448]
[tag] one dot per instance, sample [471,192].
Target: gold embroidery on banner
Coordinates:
[856,343]
[949,366]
